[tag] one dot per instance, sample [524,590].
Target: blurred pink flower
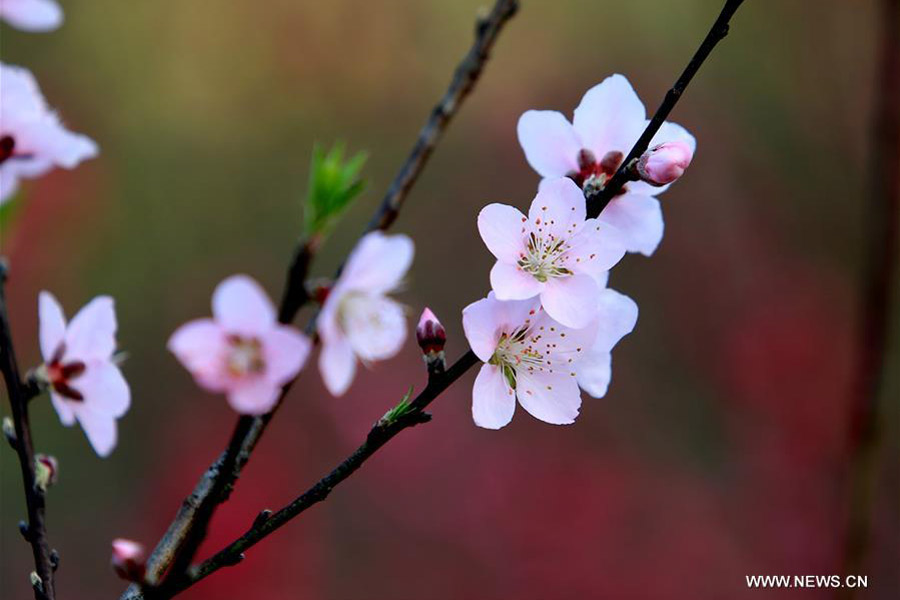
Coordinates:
[606,125]
[242,351]
[358,320]
[553,253]
[616,317]
[528,356]
[32,15]
[85,383]
[664,163]
[32,139]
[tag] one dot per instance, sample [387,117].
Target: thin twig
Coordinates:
[882,250]
[267,523]
[186,532]
[35,531]
[598,200]
[464,78]
[380,434]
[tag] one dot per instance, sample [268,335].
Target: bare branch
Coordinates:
[35,531]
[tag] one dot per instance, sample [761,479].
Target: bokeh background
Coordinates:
[719,451]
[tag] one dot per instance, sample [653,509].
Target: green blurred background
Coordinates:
[719,451]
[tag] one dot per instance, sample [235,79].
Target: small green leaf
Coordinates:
[333,183]
[398,411]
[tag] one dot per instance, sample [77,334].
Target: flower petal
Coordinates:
[493,401]
[510,282]
[550,143]
[502,227]
[52,324]
[286,351]
[32,15]
[594,373]
[610,117]
[487,319]
[639,219]
[100,428]
[572,300]
[559,208]
[63,409]
[241,306]
[255,396]
[616,317]
[375,326]
[200,346]
[595,249]
[91,334]
[378,263]
[337,364]
[104,389]
[552,398]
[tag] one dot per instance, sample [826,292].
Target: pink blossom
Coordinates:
[527,356]
[605,126]
[32,138]
[31,15]
[664,163]
[358,320]
[615,318]
[128,559]
[85,382]
[553,252]
[242,351]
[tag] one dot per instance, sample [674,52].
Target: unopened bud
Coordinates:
[9,432]
[46,471]
[431,337]
[664,163]
[128,559]
[430,333]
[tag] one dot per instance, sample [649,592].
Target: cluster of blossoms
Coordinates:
[549,325]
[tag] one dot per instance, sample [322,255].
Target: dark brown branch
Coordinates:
[186,532]
[35,531]
[266,523]
[879,281]
[464,78]
[380,434]
[598,201]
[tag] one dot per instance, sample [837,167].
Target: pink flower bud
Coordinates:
[664,163]
[128,559]
[46,470]
[430,333]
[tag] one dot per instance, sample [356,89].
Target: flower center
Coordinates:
[544,257]
[244,356]
[7,145]
[514,352]
[589,168]
[59,374]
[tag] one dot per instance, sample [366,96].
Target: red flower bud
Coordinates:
[128,559]
[430,333]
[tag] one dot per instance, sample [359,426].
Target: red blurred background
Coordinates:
[720,449]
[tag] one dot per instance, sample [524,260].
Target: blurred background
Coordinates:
[720,448]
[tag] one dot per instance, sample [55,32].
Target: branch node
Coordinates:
[261,518]
[25,531]
[9,432]
[54,559]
